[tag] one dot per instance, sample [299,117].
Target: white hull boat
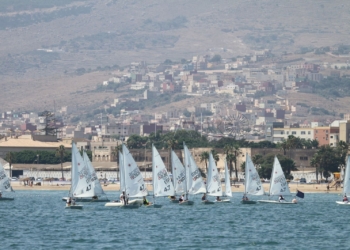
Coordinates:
[343,202]
[223,201]
[6,199]
[277,202]
[74,207]
[208,202]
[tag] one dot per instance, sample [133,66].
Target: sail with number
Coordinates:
[195,184]
[134,183]
[82,181]
[278,185]
[91,176]
[346,189]
[252,182]
[213,178]
[5,184]
[162,185]
[228,191]
[179,175]
[121,172]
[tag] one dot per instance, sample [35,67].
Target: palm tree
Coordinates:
[283,146]
[236,151]
[314,163]
[229,156]
[215,156]
[10,157]
[204,156]
[60,153]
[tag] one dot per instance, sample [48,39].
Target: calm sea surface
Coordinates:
[38,220]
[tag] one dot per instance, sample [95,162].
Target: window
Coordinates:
[282,132]
[287,132]
[316,131]
[331,136]
[302,133]
[303,158]
[294,132]
[309,132]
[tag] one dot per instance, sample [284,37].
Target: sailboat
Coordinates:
[228,191]
[89,172]
[213,180]
[278,184]
[162,185]
[346,183]
[82,183]
[194,181]
[179,176]
[132,182]
[5,184]
[252,182]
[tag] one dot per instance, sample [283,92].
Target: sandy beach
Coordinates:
[239,187]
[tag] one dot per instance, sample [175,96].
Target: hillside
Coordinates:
[92,34]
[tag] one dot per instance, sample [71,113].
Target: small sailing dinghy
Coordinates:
[81,185]
[252,182]
[278,184]
[179,176]
[194,181]
[5,185]
[346,184]
[162,185]
[122,188]
[98,195]
[228,191]
[213,181]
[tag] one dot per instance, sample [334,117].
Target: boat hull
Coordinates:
[186,203]
[174,201]
[276,202]
[74,207]
[248,202]
[6,199]
[208,202]
[138,201]
[343,203]
[87,199]
[224,201]
[114,204]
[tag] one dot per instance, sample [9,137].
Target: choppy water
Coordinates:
[38,220]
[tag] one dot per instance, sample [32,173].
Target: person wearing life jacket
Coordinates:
[145,201]
[69,201]
[181,199]
[204,198]
[218,198]
[345,198]
[281,199]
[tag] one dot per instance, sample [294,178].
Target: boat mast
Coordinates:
[246,174]
[153,171]
[185,171]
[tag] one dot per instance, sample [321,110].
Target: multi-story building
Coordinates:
[282,133]
[321,134]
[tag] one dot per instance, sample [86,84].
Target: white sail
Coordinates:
[213,178]
[228,191]
[134,183]
[346,189]
[162,185]
[5,184]
[92,176]
[193,175]
[121,172]
[278,185]
[252,182]
[179,175]
[82,185]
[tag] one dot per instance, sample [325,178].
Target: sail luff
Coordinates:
[228,191]
[346,189]
[278,185]
[214,182]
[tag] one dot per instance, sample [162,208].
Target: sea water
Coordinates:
[39,220]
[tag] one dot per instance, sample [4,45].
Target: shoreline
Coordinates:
[237,188]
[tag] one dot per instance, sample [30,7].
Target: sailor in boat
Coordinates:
[95,197]
[295,200]
[146,202]
[204,198]
[0,194]
[172,198]
[181,199]
[245,198]
[121,198]
[69,201]
[218,198]
[345,198]
[73,202]
[281,199]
